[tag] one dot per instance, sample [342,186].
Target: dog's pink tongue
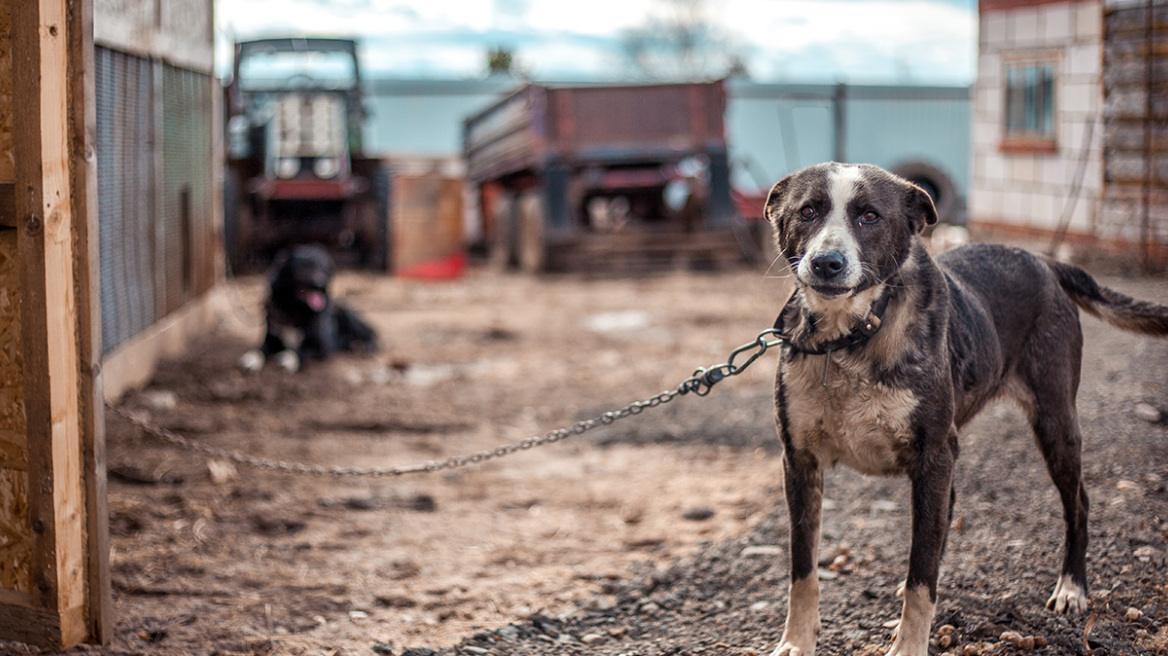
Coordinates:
[315,300]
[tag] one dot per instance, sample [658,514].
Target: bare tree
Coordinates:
[681,42]
[501,60]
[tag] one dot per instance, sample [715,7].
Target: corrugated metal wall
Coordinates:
[154,190]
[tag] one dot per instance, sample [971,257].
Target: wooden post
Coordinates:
[53,143]
[87,254]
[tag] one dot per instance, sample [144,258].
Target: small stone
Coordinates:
[1026,643]
[650,607]
[759,606]
[762,550]
[591,638]
[471,649]
[383,648]
[1011,636]
[509,632]
[971,650]
[358,615]
[946,629]
[1132,614]
[222,471]
[1127,486]
[1146,553]
[891,624]
[1148,413]
[160,399]
[698,514]
[945,641]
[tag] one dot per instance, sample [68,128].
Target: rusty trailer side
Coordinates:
[560,172]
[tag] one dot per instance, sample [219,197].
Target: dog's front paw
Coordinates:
[905,648]
[252,361]
[799,637]
[786,648]
[288,361]
[1068,597]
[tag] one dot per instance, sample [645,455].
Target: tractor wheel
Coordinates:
[237,226]
[375,224]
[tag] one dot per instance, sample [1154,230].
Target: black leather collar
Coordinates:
[861,333]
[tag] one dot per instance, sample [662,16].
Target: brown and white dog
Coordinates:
[889,352]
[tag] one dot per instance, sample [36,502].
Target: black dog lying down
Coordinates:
[303,321]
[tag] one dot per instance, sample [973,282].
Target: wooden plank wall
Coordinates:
[426,221]
[1135,83]
[15,528]
[50,428]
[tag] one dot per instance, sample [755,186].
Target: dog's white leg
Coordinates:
[802,628]
[912,636]
[252,361]
[1068,597]
[288,361]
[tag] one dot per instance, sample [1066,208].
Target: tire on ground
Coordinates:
[939,187]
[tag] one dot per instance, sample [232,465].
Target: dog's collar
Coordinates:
[862,332]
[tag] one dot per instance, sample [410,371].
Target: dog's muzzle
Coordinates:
[826,265]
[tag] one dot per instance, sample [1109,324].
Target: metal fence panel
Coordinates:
[186,221]
[125,180]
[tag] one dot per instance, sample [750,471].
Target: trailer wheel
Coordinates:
[374,238]
[532,251]
[237,229]
[935,183]
[503,233]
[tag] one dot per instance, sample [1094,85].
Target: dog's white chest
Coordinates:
[864,424]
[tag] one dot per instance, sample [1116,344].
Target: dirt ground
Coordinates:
[660,534]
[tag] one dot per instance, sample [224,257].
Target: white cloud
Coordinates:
[852,40]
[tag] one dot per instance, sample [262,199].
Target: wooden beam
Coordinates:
[7,205]
[87,255]
[46,222]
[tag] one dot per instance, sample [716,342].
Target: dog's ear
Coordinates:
[919,208]
[774,201]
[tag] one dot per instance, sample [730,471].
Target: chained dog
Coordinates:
[888,352]
[303,321]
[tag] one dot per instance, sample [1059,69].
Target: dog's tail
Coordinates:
[1104,303]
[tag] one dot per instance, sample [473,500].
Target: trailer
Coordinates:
[296,170]
[570,177]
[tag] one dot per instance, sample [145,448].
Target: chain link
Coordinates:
[700,384]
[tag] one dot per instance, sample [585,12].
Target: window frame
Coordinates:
[1022,140]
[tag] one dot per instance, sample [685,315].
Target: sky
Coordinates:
[855,41]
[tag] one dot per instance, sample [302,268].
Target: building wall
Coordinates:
[178,30]
[1037,191]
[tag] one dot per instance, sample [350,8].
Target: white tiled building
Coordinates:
[1068,118]
[1031,139]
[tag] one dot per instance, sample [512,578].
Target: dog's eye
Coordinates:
[869,217]
[807,212]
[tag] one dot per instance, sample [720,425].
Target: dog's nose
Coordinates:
[828,264]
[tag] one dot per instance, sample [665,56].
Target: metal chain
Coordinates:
[700,384]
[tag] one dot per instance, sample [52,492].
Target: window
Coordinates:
[1029,117]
